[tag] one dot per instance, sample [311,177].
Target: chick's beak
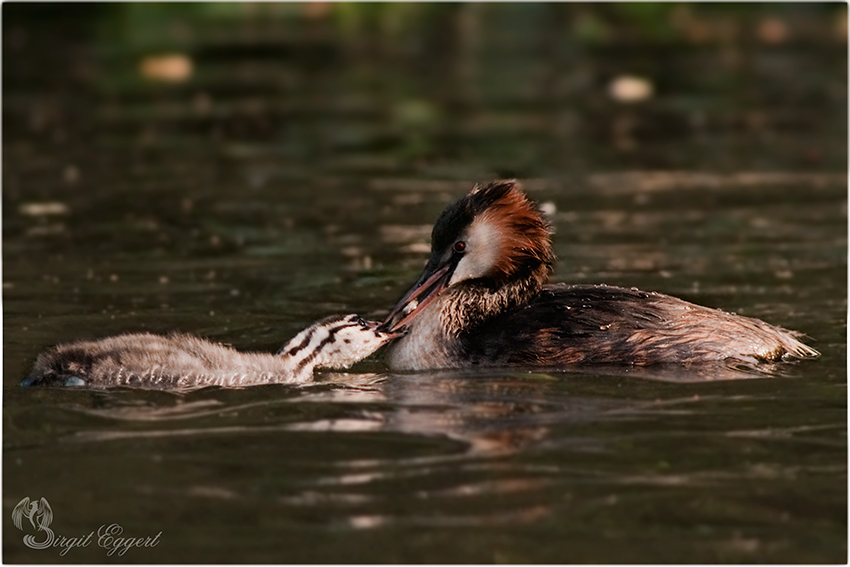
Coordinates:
[429,286]
[380,328]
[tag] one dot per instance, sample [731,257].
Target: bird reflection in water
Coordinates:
[440,447]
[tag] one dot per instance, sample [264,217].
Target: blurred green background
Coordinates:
[443,90]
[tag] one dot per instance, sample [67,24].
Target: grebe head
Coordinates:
[489,250]
[336,342]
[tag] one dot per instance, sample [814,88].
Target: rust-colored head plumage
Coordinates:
[502,231]
[525,234]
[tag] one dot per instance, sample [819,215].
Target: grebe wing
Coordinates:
[566,324]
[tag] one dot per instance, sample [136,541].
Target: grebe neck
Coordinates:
[471,303]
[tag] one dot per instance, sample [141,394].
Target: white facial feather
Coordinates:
[483,247]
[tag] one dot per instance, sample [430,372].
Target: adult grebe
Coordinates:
[183,361]
[481,300]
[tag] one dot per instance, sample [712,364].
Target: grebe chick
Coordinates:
[145,360]
[483,300]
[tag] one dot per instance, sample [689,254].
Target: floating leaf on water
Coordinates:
[43,209]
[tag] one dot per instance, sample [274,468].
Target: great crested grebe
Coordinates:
[483,300]
[182,361]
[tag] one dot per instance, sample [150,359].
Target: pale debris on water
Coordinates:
[168,67]
[629,88]
[548,208]
[43,209]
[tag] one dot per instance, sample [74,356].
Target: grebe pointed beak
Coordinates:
[429,286]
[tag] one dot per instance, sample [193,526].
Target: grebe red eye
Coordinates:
[459,246]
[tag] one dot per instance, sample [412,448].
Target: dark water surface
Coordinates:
[265,194]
